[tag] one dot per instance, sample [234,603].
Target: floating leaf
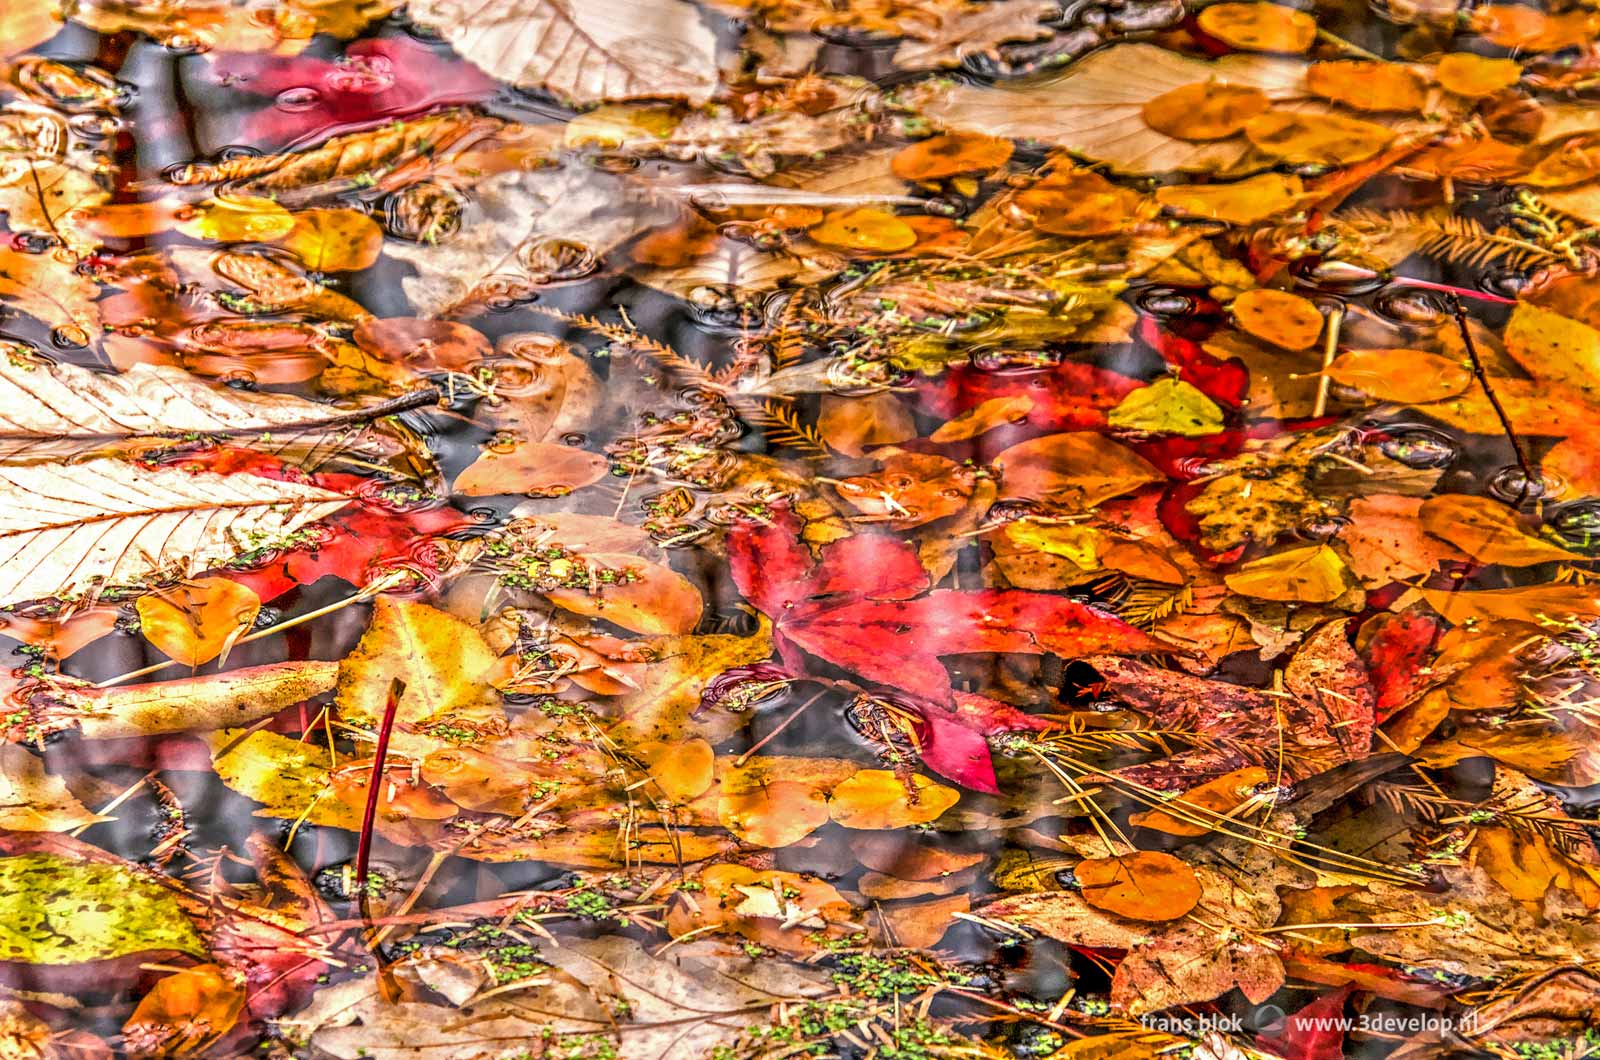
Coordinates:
[73,529]
[1488,531]
[865,229]
[1363,84]
[1411,377]
[1142,885]
[984,416]
[1283,319]
[1205,110]
[1241,203]
[333,240]
[1475,76]
[1078,469]
[32,800]
[596,51]
[112,910]
[539,469]
[881,798]
[1314,575]
[950,155]
[184,1012]
[773,814]
[1168,406]
[1316,139]
[1530,29]
[194,622]
[1259,27]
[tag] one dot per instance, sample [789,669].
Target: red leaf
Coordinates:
[1066,397]
[1315,1032]
[374,81]
[1395,655]
[856,608]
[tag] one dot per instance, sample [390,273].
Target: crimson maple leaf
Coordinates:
[863,605]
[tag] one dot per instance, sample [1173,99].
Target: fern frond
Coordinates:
[784,427]
[1444,235]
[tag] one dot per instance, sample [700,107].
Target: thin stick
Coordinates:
[374,782]
[1329,349]
[784,724]
[1529,476]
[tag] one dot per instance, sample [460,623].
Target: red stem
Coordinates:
[364,844]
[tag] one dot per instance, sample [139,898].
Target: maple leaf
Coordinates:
[862,605]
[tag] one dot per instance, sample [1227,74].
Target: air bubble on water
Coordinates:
[1419,447]
[297,99]
[1511,484]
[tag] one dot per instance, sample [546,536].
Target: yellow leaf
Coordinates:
[236,219]
[1168,406]
[1316,139]
[1259,27]
[334,240]
[1488,531]
[1244,202]
[880,798]
[866,229]
[1530,603]
[1475,76]
[1554,348]
[27,23]
[1071,541]
[32,800]
[1286,320]
[1314,575]
[195,622]
[1205,110]
[684,769]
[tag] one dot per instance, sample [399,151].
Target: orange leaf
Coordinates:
[1474,76]
[866,229]
[683,769]
[775,814]
[1259,27]
[185,1012]
[1529,29]
[634,593]
[1078,469]
[1411,377]
[197,621]
[1488,531]
[1195,811]
[1361,84]
[1316,139]
[949,155]
[1205,110]
[1283,319]
[539,469]
[1143,885]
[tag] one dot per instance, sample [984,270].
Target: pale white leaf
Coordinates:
[69,530]
[584,51]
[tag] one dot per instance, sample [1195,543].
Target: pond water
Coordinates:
[757,529]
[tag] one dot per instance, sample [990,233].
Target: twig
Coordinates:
[374,784]
[1529,476]
[1329,349]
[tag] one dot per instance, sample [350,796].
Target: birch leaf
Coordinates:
[74,529]
[583,51]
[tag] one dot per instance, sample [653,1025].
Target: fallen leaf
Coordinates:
[1475,76]
[1363,84]
[1205,110]
[1141,885]
[1411,377]
[1286,320]
[880,798]
[184,1012]
[1259,27]
[1314,574]
[194,622]
[1488,531]
[865,229]
[1168,406]
[1241,203]
[1316,139]
[1078,469]
[338,240]
[950,155]
[539,469]
[113,909]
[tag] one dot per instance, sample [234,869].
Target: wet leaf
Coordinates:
[195,622]
[1259,27]
[236,219]
[1411,377]
[1142,885]
[539,469]
[774,814]
[1363,84]
[595,52]
[1078,469]
[113,910]
[47,288]
[851,425]
[950,155]
[1168,406]
[1286,320]
[1488,531]
[1316,139]
[333,240]
[184,1012]
[55,518]
[865,229]
[1242,202]
[32,800]
[1314,574]
[1530,29]
[28,23]
[1205,110]
[880,798]
[1475,76]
